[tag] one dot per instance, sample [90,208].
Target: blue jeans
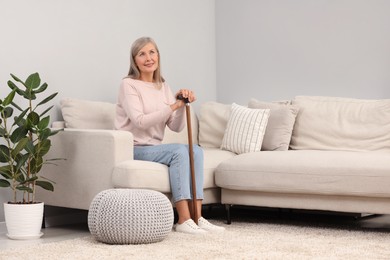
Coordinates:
[176,157]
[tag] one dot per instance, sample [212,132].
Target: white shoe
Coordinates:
[205,225]
[190,227]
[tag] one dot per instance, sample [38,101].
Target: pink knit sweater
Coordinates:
[145,111]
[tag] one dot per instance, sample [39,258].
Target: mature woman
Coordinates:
[146,105]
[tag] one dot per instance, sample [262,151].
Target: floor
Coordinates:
[59,230]
[62,224]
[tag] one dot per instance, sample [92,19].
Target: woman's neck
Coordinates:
[147,77]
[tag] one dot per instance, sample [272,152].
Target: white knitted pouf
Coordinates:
[130,216]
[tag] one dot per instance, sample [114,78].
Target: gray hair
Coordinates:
[134,72]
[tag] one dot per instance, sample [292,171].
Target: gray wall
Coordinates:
[273,50]
[81,47]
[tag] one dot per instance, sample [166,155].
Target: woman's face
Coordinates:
[147,59]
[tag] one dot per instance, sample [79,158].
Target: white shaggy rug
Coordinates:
[241,240]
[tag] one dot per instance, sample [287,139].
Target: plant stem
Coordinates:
[11,159]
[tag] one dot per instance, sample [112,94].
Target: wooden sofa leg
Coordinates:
[228,217]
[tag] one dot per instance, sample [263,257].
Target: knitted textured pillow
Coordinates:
[245,129]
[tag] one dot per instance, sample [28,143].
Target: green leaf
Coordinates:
[45,185]
[29,95]
[9,98]
[43,147]
[16,78]
[18,134]
[21,161]
[19,178]
[24,188]
[20,146]
[2,131]
[4,154]
[54,132]
[30,148]
[36,164]
[17,107]
[29,180]
[4,183]
[33,81]
[44,123]
[19,120]
[13,86]
[8,111]
[5,171]
[47,99]
[47,110]
[42,88]
[33,118]
[44,134]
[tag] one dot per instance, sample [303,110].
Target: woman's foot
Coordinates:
[205,225]
[190,227]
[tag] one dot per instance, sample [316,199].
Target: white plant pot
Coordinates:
[24,221]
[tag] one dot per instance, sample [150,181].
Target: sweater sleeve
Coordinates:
[176,120]
[132,103]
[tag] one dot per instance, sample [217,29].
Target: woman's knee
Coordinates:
[198,152]
[180,152]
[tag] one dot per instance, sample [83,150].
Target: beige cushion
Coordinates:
[212,158]
[332,123]
[365,174]
[151,175]
[213,119]
[245,129]
[280,124]
[85,114]
[182,137]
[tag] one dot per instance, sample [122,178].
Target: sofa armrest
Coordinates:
[89,159]
[58,124]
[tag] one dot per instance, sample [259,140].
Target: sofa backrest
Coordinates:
[86,114]
[333,123]
[213,120]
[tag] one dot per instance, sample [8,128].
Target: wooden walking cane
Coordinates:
[191,155]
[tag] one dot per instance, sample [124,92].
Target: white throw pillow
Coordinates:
[280,125]
[245,129]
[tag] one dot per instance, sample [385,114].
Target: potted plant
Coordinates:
[24,141]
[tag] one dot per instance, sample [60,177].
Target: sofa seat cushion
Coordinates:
[138,174]
[308,172]
[212,158]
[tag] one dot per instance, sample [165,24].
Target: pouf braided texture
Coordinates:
[130,216]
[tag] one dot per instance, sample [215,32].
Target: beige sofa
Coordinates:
[318,153]
[98,158]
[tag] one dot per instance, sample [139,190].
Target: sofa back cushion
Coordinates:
[332,123]
[182,137]
[213,120]
[280,125]
[86,114]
